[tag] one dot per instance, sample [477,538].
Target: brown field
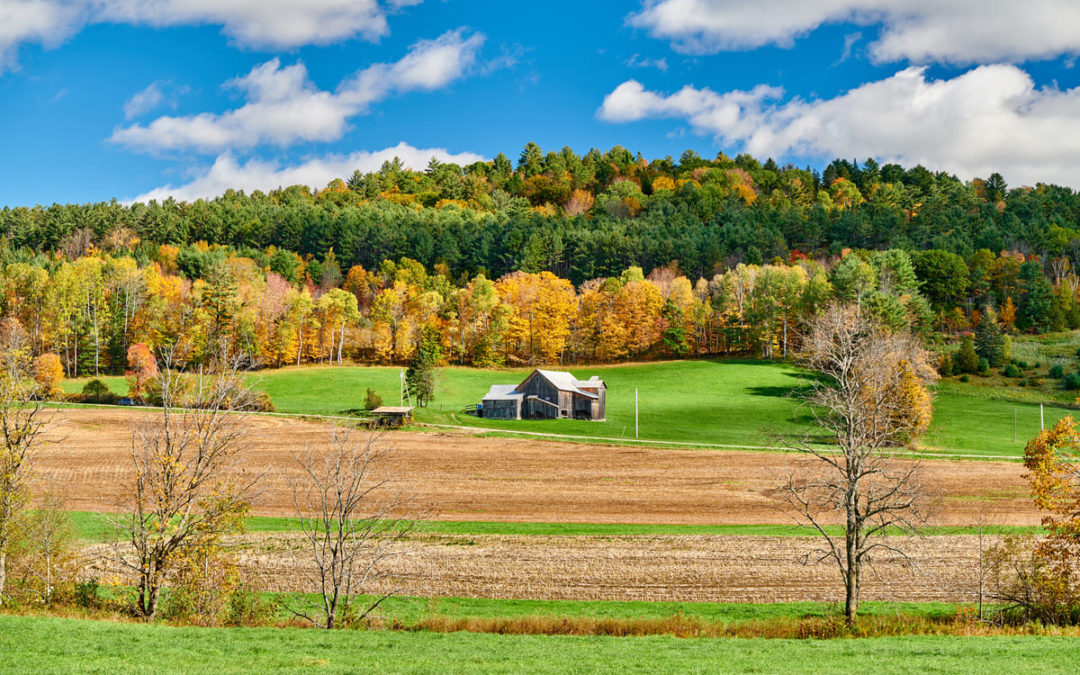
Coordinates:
[463,477]
[660,568]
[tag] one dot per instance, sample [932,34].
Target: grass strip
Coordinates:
[37,644]
[93,527]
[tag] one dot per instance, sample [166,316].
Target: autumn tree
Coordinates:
[187,489]
[352,508]
[22,423]
[48,373]
[142,367]
[1042,576]
[870,378]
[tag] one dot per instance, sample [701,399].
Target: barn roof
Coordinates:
[503,392]
[565,381]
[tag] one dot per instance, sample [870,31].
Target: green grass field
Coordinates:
[33,645]
[93,527]
[721,402]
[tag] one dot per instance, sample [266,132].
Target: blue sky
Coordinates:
[148,98]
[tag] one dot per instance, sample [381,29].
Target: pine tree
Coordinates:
[966,360]
[989,343]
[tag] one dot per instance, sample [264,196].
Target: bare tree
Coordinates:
[188,490]
[870,401]
[49,539]
[22,421]
[352,510]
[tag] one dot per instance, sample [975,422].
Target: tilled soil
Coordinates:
[648,568]
[465,477]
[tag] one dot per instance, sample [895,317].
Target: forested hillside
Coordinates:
[560,258]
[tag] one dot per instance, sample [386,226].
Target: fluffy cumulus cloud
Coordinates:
[46,22]
[991,118]
[956,31]
[284,107]
[280,24]
[228,173]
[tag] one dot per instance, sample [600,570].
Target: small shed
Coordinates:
[392,415]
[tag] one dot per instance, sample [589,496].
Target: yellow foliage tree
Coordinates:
[48,373]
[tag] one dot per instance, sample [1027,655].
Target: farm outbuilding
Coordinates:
[393,416]
[547,394]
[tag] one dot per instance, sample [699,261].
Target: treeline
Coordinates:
[282,309]
[584,217]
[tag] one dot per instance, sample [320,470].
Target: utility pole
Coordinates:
[635,413]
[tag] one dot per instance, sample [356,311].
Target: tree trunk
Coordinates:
[3,571]
[851,581]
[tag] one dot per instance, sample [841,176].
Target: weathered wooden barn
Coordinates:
[547,394]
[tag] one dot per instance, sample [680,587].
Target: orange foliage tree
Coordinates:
[142,367]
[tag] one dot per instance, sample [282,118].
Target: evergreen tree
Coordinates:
[966,360]
[420,377]
[989,342]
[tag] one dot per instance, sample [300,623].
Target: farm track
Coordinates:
[466,477]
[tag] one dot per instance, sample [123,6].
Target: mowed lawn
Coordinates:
[721,402]
[31,645]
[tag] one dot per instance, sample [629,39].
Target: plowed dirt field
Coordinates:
[465,477]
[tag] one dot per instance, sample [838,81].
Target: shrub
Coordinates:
[1057,371]
[965,378]
[1072,382]
[966,360]
[261,402]
[1011,371]
[945,367]
[1034,381]
[984,368]
[372,400]
[96,391]
[1022,383]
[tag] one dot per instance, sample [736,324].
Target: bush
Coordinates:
[1072,382]
[96,391]
[965,378]
[1011,371]
[1022,383]
[372,400]
[984,368]
[966,360]
[261,402]
[1057,371]
[1034,381]
[945,368]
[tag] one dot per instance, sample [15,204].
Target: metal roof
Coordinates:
[565,381]
[503,392]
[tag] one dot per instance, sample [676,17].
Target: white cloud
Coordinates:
[227,173]
[46,22]
[637,61]
[991,118]
[155,95]
[284,107]
[272,24]
[257,23]
[922,31]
